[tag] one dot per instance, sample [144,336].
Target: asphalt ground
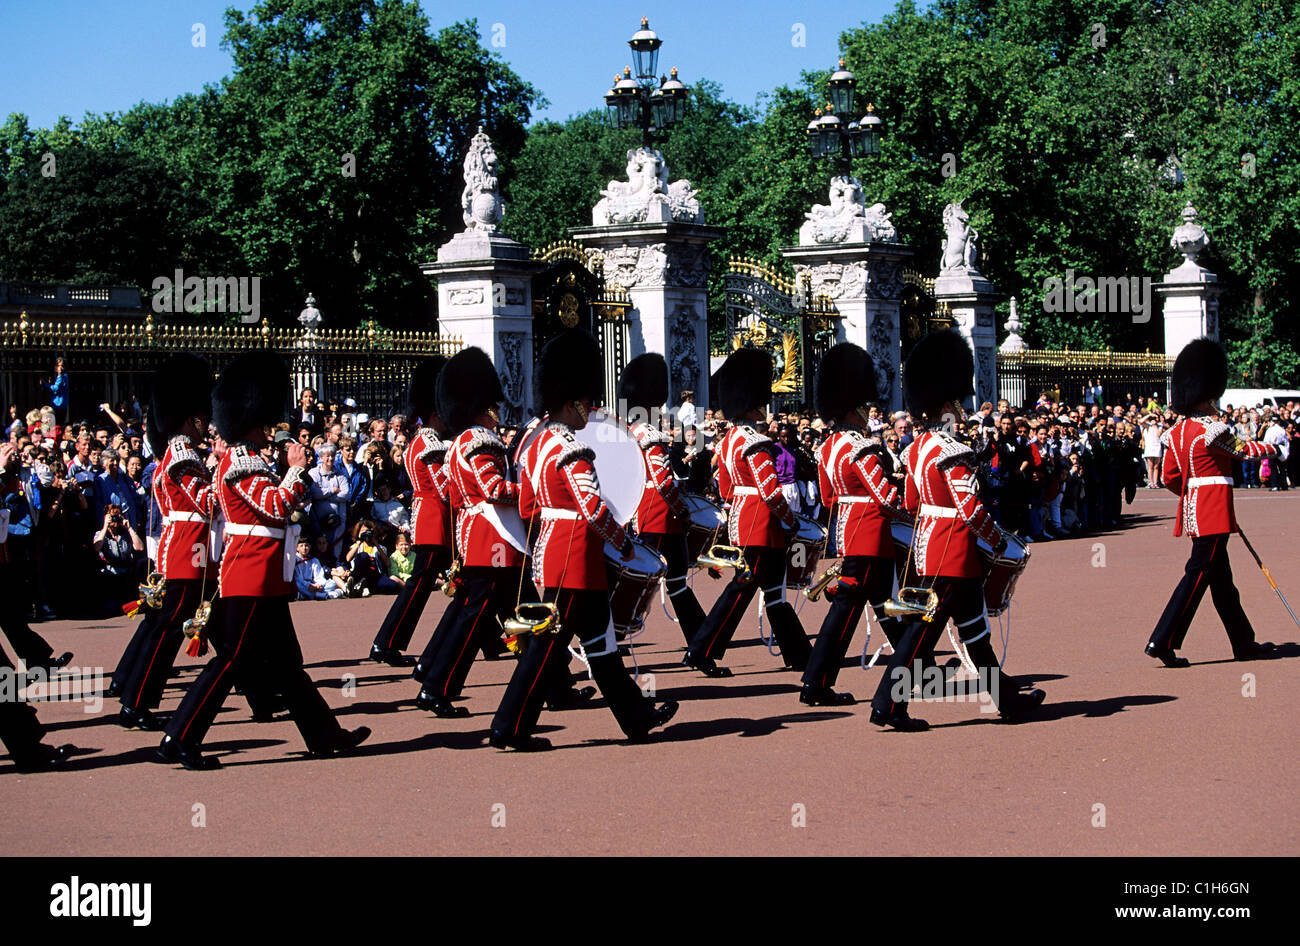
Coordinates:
[1125,758]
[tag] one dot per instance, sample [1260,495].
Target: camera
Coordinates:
[368,537]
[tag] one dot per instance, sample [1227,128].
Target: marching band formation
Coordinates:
[555,547]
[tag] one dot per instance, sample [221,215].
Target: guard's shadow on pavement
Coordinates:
[472,739]
[712,728]
[1052,712]
[1285,651]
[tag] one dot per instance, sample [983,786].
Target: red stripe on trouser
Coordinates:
[154,656]
[469,638]
[941,612]
[541,670]
[229,660]
[1201,574]
[411,597]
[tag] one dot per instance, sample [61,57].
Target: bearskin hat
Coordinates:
[570,368]
[846,379]
[645,382]
[182,388]
[1200,374]
[940,368]
[422,393]
[252,392]
[467,386]
[744,382]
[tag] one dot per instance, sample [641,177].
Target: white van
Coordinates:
[1258,397]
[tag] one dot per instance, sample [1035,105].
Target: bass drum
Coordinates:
[620,464]
[707,521]
[804,553]
[632,584]
[1001,572]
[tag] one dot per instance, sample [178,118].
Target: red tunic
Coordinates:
[950,517]
[558,483]
[661,504]
[853,485]
[476,476]
[1198,469]
[256,510]
[747,484]
[182,488]
[429,513]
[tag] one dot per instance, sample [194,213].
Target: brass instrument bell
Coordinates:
[726,556]
[815,590]
[195,625]
[913,603]
[151,592]
[451,579]
[530,618]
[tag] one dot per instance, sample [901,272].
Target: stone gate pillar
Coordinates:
[970,299]
[850,252]
[1190,292]
[485,284]
[654,244]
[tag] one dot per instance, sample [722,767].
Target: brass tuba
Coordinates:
[151,592]
[531,618]
[726,556]
[913,603]
[814,591]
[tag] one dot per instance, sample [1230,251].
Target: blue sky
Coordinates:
[69,57]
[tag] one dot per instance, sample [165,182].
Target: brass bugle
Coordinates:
[448,579]
[535,617]
[725,556]
[151,592]
[814,591]
[913,603]
[194,625]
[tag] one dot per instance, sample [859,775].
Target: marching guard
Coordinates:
[862,504]
[662,515]
[941,493]
[181,405]
[430,526]
[759,521]
[1197,467]
[253,633]
[559,482]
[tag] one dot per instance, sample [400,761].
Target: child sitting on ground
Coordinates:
[309,576]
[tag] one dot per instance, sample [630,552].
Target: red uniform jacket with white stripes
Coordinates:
[256,509]
[558,483]
[950,518]
[747,483]
[429,512]
[182,488]
[854,488]
[661,506]
[1198,469]
[476,476]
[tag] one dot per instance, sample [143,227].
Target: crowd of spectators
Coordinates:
[83,525]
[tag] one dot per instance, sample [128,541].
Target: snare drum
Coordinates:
[804,553]
[1001,572]
[632,584]
[707,520]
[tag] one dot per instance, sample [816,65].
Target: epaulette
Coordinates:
[951,450]
[243,464]
[573,449]
[437,447]
[482,439]
[184,458]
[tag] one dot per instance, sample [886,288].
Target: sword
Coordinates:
[1264,569]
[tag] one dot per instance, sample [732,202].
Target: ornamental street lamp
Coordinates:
[834,132]
[636,102]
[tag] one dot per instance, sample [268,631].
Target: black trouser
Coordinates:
[768,572]
[20,731]
[962,600]
[1278,466]
[864,579]
[685,605]
[430,562]
[254,639]
[1208,566]
[148,658]
[584,615]
[486,599]
[15,607]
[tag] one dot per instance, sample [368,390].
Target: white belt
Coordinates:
[550,513]
[744,490]
[1209,481]
[266,532]
[846,500]
[185,517]
[938,512]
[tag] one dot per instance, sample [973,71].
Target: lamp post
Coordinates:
[636,101]
[835,133]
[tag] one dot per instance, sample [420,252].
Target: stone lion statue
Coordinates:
[480,201]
